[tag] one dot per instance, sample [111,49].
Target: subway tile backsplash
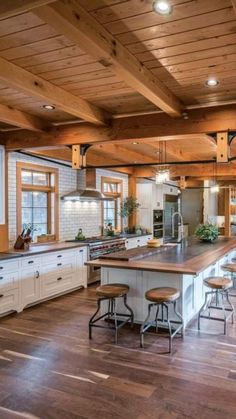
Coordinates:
[72,215]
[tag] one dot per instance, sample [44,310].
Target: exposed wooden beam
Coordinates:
[65,154]
[38,87]
[151,127]
[78,25]
[9,8]
[205,171]
[21,119]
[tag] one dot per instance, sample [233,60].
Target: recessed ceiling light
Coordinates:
[162,7]
[212,82]
[49,107]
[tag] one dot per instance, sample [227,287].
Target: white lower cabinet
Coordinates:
[30,286]
[28,280]
[9,300]
[56,283]
[137,241]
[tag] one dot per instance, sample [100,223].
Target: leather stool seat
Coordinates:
[229,267]
[218,282]
[162,294]
[112,290]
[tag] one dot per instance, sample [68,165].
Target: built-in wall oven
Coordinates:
[158,224]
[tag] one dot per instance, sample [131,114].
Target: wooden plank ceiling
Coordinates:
[43,58]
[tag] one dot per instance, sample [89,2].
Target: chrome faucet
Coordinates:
[181,224]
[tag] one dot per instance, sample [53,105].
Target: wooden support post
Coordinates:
[227,212]
[4,240]
[78,160]
[222,147]
[133,193]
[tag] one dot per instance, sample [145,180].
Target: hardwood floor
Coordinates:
[49,368]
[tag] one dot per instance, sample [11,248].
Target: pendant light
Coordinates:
[163,174]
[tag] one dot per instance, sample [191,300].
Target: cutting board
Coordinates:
[132,254]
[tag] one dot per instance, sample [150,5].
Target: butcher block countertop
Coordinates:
[190,257]
[39,249]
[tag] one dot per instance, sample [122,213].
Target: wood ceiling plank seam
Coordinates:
[168,29]
[137,8]
[56,65]
[20,52]
[20,22]
[208,53]
[98,43]
[177,38]
[88,76]
[36,86]
[16,7]
[152,18]
[69,71]
[191,47]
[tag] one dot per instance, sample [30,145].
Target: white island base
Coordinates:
[191,287]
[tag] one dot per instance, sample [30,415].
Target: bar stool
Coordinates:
[230,268]
[110,292]
[219,289]
[162,297]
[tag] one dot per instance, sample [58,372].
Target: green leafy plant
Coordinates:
[128,206]
[207,232]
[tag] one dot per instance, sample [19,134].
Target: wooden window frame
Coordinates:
[20,166]
[105,179]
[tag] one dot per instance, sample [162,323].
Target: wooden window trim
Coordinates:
[115,195]
[23,187]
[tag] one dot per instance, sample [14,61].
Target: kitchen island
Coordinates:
[183,266]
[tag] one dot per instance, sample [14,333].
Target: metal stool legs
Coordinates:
[209,304]
[111,315]
[164,321]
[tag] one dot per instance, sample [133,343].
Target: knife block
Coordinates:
[21,244]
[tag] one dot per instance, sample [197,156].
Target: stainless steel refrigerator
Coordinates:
[171,205]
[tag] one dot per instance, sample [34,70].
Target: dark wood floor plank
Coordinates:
[50,369]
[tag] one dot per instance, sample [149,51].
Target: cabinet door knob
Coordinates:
[37,274]
[1,295]
[1,267]
[59,279]
[1,277]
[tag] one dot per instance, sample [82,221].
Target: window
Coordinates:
[111,188]
[37,199]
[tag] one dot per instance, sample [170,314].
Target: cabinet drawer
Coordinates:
[61,265]
[30,262]
[8,280]
[56,257]
[9,300]
[54,284]
[9,266]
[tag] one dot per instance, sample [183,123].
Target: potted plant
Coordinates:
[207,232]
[128,206]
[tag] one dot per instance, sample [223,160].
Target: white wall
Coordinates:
[72,215]
[210,203]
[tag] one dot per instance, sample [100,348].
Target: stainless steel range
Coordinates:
[99,246]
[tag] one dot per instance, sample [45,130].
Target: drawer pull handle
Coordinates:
[81,251]
[31,261]
[37,274]
[59,279]
[1,277]
[59,256]
[1,295]
[59,264]
[1,267]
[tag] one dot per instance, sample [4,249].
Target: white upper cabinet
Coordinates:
[2,185]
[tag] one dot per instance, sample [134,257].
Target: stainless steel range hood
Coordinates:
[90,193]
